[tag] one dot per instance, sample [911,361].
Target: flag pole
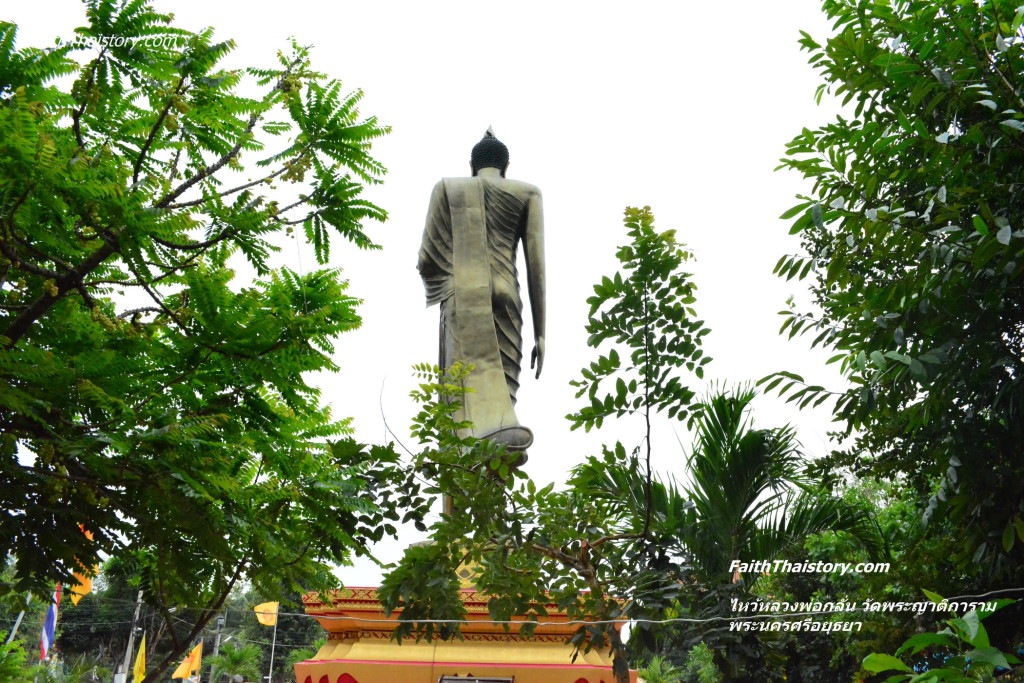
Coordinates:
[273,643]
[49,632]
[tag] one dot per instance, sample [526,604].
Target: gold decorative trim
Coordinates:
[466,637]
[354,598]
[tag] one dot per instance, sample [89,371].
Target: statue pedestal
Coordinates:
[360,649]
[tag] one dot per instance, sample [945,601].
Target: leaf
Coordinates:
[988,655]
[878,662]
[943,77]
[934,239]
[1008,538]
[980,225]
[1003,236]
[922,640]
[210,389]
[816,216]
[789,213]
[970,629]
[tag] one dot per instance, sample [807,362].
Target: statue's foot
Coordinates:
[516,438]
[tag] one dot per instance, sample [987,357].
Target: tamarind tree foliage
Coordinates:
[913,248]
[145,397]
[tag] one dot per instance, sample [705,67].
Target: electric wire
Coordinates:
[537,623]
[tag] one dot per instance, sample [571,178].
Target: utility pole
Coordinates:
[17,623]
[216,642]
[123,677]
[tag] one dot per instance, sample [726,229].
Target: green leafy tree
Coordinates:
[644,316]
[700,666]
[31,609]
[144,395]
[13,666]
[919,557]
[912,247]
[595,556]
[959,653]
[96,630]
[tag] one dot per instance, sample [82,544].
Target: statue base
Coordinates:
[360,648]
[514,439]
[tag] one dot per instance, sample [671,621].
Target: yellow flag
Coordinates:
[82,588]
[190,666]
[84,585]
[266,613]
[140,661]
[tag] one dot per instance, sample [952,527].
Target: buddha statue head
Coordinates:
[490,152]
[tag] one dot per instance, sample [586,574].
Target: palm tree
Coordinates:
[234,661]
[660,670]
[751,499]
[748,499]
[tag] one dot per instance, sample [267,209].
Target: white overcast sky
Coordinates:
[685,107]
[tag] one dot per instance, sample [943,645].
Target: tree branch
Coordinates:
[225,193]
[153,132]
[615,537]
[16,261]
[188,263]
[196,245]
[76,117]
[38,308]
[208,614]
[220,163]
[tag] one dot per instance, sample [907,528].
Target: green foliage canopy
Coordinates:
[913,249]
[646,311]
[143,394]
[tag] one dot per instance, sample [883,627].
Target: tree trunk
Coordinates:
[620,667]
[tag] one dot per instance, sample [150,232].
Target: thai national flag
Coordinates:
[49,625]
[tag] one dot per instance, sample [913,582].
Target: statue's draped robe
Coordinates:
[468,264]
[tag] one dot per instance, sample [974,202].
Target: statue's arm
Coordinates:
[533,246]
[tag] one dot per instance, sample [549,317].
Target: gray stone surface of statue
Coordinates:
[468,264]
